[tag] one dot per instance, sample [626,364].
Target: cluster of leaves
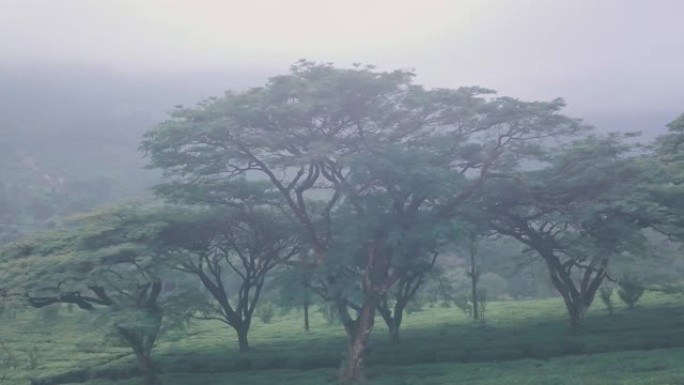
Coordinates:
[631,288]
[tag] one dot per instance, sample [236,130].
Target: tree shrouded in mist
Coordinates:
[375,169]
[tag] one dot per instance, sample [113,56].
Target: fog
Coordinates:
[81,80]
[607,57]
[348,196]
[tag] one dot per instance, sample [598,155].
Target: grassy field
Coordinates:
[656,367]
[524,342]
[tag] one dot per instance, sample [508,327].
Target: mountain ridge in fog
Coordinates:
[81,122]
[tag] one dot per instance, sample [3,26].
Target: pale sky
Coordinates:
[603,56]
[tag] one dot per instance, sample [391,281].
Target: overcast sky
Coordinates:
[603,56]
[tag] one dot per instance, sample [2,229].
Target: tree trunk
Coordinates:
[393,322]
[352,370]
[243,343]
[394,333]
[577,297]
[476,304]
[147,370]
[474,278]
[573,302]
[142,343]
[576,312]
[306,316]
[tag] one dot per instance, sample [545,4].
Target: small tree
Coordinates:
[452,287]
[265,311]
[231,252]
[474,273]
[606,295]
[396,301]
[630,290]
[291,288]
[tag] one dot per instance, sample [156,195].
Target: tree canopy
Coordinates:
[341,149]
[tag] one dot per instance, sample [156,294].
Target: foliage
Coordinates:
[533,329]
[415,306]
[33,199]
[606,295]
[372,167]
[347,183]
[584,208]
[496,287]
[105,264]
[329,313]
[265,311]
[631,288]
[231,252]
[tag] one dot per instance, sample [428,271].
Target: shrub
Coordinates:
[462,301]
[329,314]
[606,294]
[497,286]
[414,306]
[266,311]
[631,289]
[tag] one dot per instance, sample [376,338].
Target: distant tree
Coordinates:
[606,294]
[452,286]
[265,311]
[671,145]
[231,252]
[396,300]
[474,274]
[630,289]
[292,289]
[579,211]
[33,200]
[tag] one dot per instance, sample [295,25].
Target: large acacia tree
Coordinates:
[358,147]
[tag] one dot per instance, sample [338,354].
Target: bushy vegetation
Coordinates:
[630,290]
[516,330]
[606,295]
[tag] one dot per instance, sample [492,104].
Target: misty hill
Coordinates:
[85,125]
[70,135]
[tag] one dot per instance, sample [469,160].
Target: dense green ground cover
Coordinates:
[524,342]
[657,367]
